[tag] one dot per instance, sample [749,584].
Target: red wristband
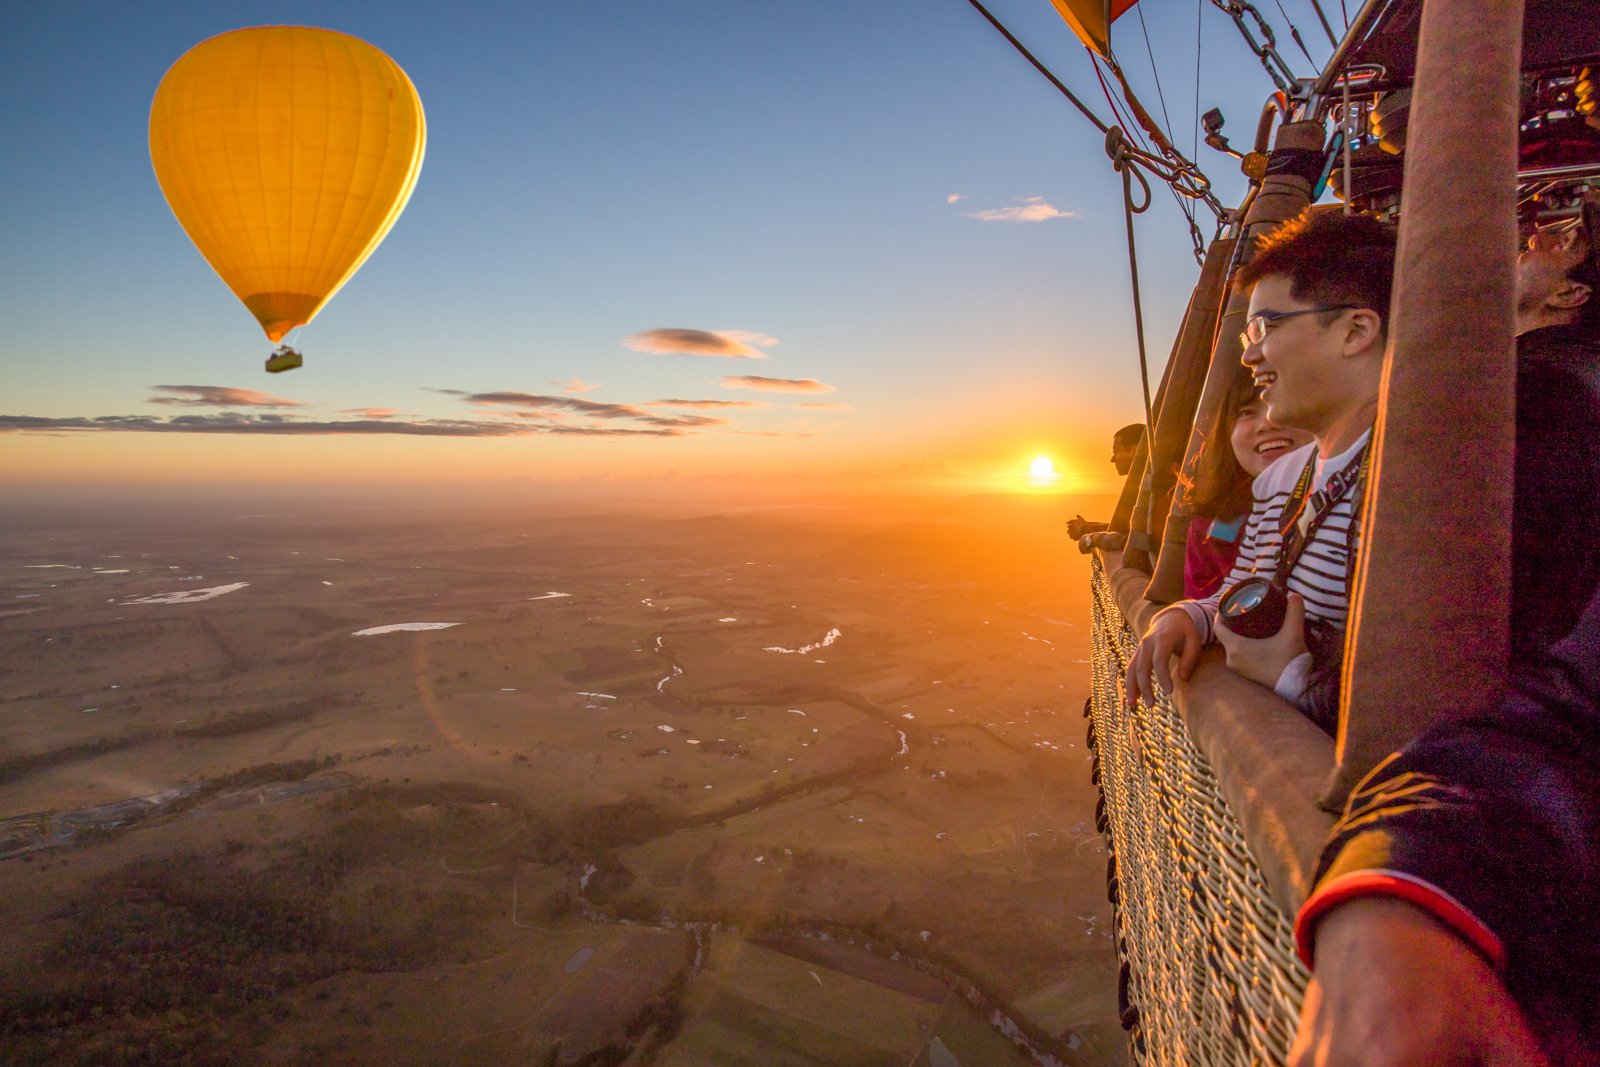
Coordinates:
[1436,902]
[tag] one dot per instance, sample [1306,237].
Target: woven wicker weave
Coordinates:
[1210,958]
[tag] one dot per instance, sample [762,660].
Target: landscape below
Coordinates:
[785,786]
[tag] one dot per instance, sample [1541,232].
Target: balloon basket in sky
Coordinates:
[283,358]
[286,153]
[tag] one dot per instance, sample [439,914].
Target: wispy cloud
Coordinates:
[714,404]
[824,405]
[371,413]
[775,385]
[218,396]
[955,198]
[539,402]
[574,385]
[610,431]
[1030,209]
[284,426]
[726,344]
[276,425]
[535,405]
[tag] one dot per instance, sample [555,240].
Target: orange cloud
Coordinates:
[371,413]
[1032,209]
[726,344]
[775,385]
[575,385]
[706,404]
[219,396]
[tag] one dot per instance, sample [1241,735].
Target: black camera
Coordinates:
[1254,607]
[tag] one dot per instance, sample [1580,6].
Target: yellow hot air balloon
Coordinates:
[286,152]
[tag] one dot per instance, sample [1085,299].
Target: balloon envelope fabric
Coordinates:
[287,153]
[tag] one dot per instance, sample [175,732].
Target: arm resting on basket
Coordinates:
[1394,987]
[1488,829]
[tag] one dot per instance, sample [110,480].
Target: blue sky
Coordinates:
[597,171]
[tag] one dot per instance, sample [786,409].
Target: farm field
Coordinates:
[513,784]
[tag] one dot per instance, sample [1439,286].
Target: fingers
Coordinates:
[1188,657]
[1135,683]
[1150,671]
[1163,670]
[1295,614]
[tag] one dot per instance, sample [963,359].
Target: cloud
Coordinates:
[683,420]
[219,396]
[538,402]
[727,344]
[775,385]
[610,431]
[279,425]
[707,404]
[955,198]
[824,405]
[1032,209]
[574,385]
[371,413]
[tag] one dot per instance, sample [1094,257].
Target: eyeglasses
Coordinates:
[1255,327]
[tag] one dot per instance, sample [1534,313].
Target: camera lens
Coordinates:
[1254,607]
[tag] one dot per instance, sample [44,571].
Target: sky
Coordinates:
[866,242]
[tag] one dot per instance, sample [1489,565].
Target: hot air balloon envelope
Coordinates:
[286,152]
[1091,19]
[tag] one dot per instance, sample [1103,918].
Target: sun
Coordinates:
[1041,467]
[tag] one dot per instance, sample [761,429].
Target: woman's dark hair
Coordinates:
[1217,487]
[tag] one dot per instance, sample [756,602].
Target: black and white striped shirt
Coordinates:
[1321,573]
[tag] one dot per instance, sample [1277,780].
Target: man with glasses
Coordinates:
[1314,342]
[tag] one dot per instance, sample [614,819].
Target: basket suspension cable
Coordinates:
[1266,49]
[1123,160]
[1326,26]
[1171,166]
[1294,31]
[1175,170]
[1129,126]
[1155,72]
[1196,238]
[1040,67]
[1199,47]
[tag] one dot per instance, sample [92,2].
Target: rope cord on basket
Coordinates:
[1123,157]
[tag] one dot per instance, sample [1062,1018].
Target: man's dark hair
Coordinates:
[1329,258]
[1129,436]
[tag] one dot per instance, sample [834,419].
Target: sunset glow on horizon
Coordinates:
[575,293]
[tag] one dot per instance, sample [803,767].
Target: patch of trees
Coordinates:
[18,766]
[184,958]
[250,721]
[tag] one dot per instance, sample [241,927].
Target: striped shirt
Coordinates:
[1321,574]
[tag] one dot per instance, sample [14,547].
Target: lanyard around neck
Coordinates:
[1306,511]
